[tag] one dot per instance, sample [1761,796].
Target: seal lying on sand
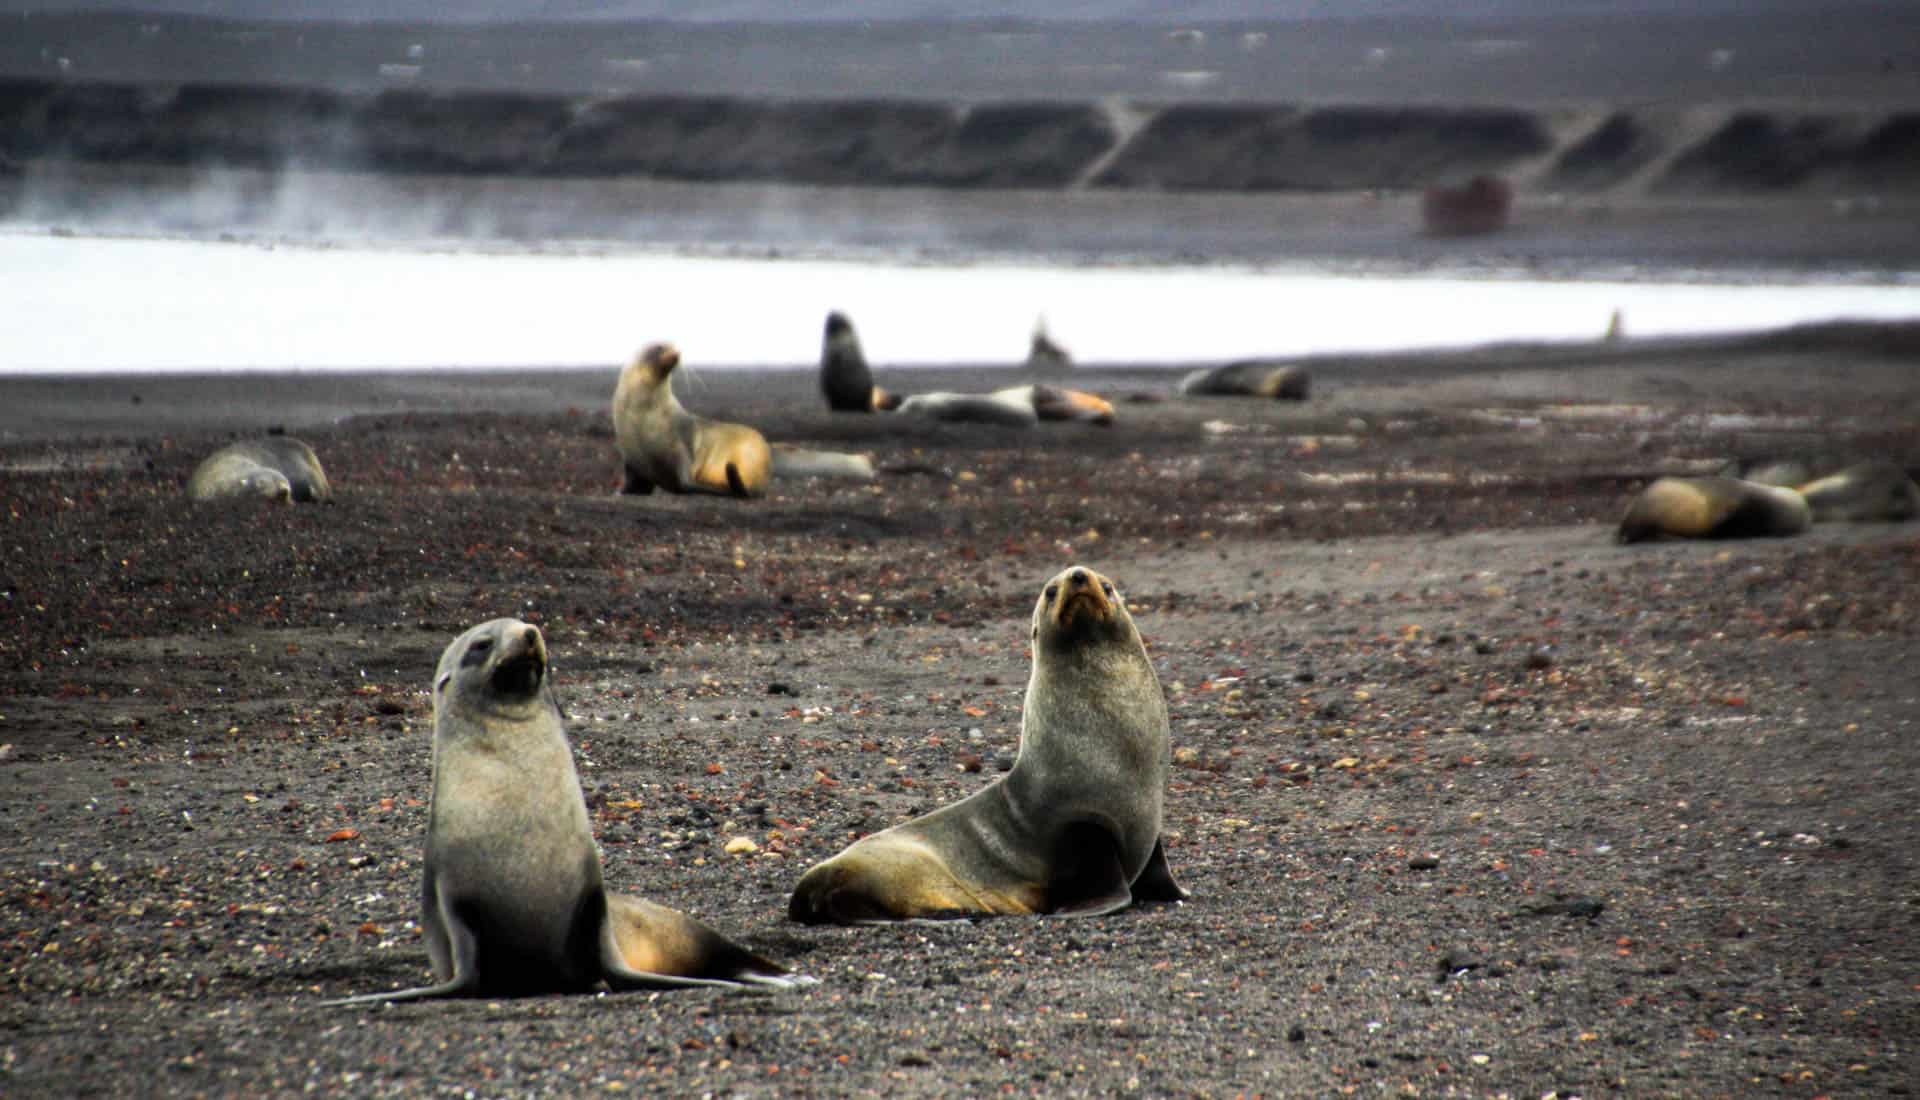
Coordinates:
[512,901]
[971,408]
[1248,378]
[1073,829]
[662,444]
[844,377]
[1014,406]
[1837,491]
[1713,508]
[1864,492]
[278,467]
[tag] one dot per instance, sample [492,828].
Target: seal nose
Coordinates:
[1077,578]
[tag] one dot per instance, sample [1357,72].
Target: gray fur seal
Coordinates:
[1713,508]
[664,445]
[278,467]
[844,377]
[1014,406]
[1864,492]
[1073,829]
[512,900]
[1248,378]
[1043,353]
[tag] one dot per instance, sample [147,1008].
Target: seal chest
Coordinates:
[1074,828]
[511,899]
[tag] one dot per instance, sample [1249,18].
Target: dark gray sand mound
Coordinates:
[1471,800]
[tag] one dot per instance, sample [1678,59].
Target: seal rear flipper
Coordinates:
[1155,880]
[649,946]
[1087,879]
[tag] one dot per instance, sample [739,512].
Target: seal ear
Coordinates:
[1086,878]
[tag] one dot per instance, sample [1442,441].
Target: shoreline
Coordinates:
[143,407]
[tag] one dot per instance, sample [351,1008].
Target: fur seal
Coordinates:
[664,445]
[1060,403]
[1713,508]
[1863,492]
[278,467]
[1043,353]
[1073,829]
[1014,406]
[972,408]
[844,377]
[1248,378]
[512,900]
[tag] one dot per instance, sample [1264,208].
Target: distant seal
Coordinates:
[844,377]
[1060,403]
[664,445]
[1249,378]
[1014,406]
[1073,829]
[278,467]
[1864,492]
[1043,353]
[1713,508]
[512,901]
[972,408]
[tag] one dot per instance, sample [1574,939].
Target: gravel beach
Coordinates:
[1472,801]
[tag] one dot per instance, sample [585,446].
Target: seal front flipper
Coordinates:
[465,981]
[1155,880]
[1087,879]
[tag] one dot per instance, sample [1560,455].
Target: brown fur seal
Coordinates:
[1713,508]
[278,467]
[844,377]
[1060,403]
[1248,378]
[1074,828]
[664,445]
[1864,492]
[512,901]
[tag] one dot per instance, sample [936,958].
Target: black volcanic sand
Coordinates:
[1471,800]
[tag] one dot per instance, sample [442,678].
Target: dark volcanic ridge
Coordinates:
[1131,145]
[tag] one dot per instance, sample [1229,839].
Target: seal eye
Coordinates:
[1052,591]
[1107,588]
[477,652]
